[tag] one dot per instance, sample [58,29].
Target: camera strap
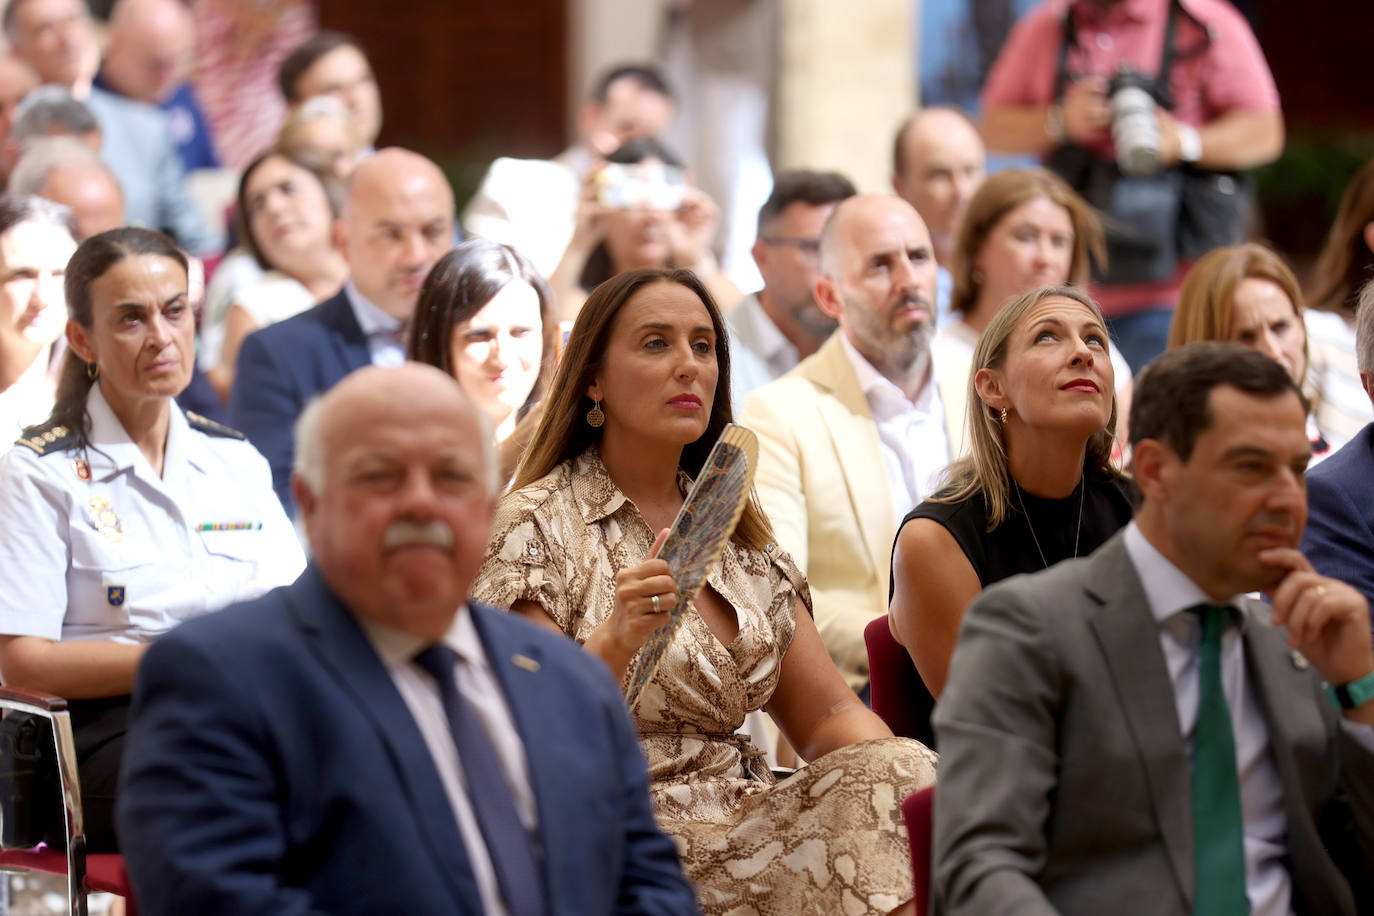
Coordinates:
[1160,90]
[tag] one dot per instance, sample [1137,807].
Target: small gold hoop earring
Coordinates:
[93,371]
[595,418]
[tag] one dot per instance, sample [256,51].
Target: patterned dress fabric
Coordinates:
[829,839]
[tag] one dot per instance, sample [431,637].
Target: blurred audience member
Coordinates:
[1038,485]
[320,131]
[1346,263]
[485,317]
[239,50]
[640,399]
[1340,500]
[123,515]
[148,56]
[1246,294]
[57,38]
[938,161]
[286,212]
[17,79]
[780,325]
[35,243]
[1159,161]
[66,171]
[639,210]
[857,434]
[532,204]
[1024,228]
[334,64]
[52,111]
[397,222]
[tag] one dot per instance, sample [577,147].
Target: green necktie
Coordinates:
[1218,833]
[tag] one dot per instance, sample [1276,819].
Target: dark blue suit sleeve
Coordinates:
[652,881]
[199,825]
[264,405]
[1339,539]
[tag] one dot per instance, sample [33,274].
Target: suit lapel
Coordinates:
[345,651]
[1126,632]
[349,340]
[854,436]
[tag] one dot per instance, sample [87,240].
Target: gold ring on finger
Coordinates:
[657,608]
[1321,590]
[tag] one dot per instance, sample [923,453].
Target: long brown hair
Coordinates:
[563,431]
[1346,261]
[985,470]
[998,196]
[459,285]
[93,258]
[1207,300]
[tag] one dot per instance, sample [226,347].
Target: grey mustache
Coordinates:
[432,533]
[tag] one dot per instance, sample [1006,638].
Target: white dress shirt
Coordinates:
[1170,593]
[759,353]
[479,686]
[912,434]
[382,330]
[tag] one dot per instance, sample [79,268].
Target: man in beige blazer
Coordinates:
[855,435]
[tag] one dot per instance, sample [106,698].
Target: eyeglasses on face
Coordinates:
[809,247]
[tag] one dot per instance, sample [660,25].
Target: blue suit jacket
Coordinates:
[1339,540]
[272,767]
[281,367]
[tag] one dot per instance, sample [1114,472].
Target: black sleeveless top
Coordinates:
[1047,526]
[1042,535]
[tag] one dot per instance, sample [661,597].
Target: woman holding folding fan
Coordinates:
[639,400]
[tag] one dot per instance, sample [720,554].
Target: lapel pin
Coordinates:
[1300,661]
[114,594]
[83,468]
[524,661]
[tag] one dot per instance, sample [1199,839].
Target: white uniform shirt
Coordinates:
[479,686]
[98,547]
[914,440]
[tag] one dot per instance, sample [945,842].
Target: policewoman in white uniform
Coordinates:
[122,515]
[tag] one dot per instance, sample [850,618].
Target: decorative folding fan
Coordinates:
[698,536]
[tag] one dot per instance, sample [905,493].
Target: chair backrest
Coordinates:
[918,809]
[898,694]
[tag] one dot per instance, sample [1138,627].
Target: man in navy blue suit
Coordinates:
[397,221]
[363,741]
[1339,540]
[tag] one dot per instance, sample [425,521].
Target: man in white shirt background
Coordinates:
[780,325]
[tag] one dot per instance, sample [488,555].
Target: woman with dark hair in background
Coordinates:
[36,239]
[639,210]
[640,398]
[123,515]
[285,210]
[485,317]
[1345,264]
[1038,485]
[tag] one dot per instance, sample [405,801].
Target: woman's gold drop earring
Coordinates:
[595,418]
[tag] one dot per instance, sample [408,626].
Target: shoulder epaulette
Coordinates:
[211,428]
[47,437]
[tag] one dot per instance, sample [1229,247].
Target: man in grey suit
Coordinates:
[1129,732]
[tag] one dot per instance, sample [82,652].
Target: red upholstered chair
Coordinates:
[896,691]
[918,809]
[85,873]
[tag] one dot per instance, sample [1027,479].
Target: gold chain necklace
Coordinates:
[1083,483]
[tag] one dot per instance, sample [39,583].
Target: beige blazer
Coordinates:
[822,482]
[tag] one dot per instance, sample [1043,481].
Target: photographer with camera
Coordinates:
[639,209]
[1148,108]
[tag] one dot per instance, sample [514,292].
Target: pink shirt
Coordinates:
[1229,75]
